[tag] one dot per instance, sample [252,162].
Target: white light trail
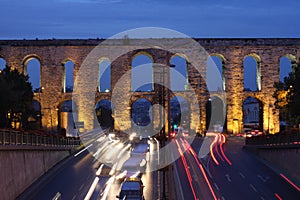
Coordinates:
[92,189]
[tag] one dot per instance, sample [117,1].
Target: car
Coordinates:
[131,190]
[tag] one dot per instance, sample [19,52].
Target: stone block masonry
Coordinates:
[53,53]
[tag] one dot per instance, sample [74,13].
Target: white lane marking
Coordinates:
[82,185]
[179,182]
[262,198]
[83,150]
[57,196]
[207,167]
[216,186]
[74,197]
[253,188]
[228,177]
[262,178]
[88,177]
[242,175]
[223,198]
[107,187]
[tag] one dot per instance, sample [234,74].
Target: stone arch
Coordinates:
[253,80]
[284,70]
[28,58]
[34,74]
[178,72]
[104,64]
[218,60]
[145,84]
[104,113]
[68,75]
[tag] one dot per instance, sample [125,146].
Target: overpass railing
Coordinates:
[12,137]
[275,140]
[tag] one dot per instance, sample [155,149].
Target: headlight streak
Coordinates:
[92,189]
[99,170]
[121,175]
[123,150]
[136,174]
[107,188]
[113,169]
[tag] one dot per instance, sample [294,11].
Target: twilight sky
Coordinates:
[45,19]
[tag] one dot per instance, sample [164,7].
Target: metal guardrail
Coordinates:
[275,140]
[12,137]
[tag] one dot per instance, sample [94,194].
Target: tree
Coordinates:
[287,95]
[16,98]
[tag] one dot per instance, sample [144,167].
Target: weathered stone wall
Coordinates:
[20,168]
[53,53]
[285,159]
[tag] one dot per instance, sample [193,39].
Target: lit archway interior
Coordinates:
[252,114]
[66,122]
[35,119]
[216,115]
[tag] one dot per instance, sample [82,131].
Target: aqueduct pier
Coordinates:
[53,54]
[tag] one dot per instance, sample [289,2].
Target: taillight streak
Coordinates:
[290,182]
[186,169]
[211,150]
[202,169]
[222,150]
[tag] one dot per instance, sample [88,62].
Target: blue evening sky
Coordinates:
[67,19]
[103,18]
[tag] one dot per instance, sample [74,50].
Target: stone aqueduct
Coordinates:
[53,53]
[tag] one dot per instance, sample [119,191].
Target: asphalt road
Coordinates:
[192,180]
[89,175]
[214,168]
[238,174]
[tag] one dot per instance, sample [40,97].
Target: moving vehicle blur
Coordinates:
[131,190]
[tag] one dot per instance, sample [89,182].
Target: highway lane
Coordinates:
[191,174]
[239,174]
[83,176]
[149,178]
